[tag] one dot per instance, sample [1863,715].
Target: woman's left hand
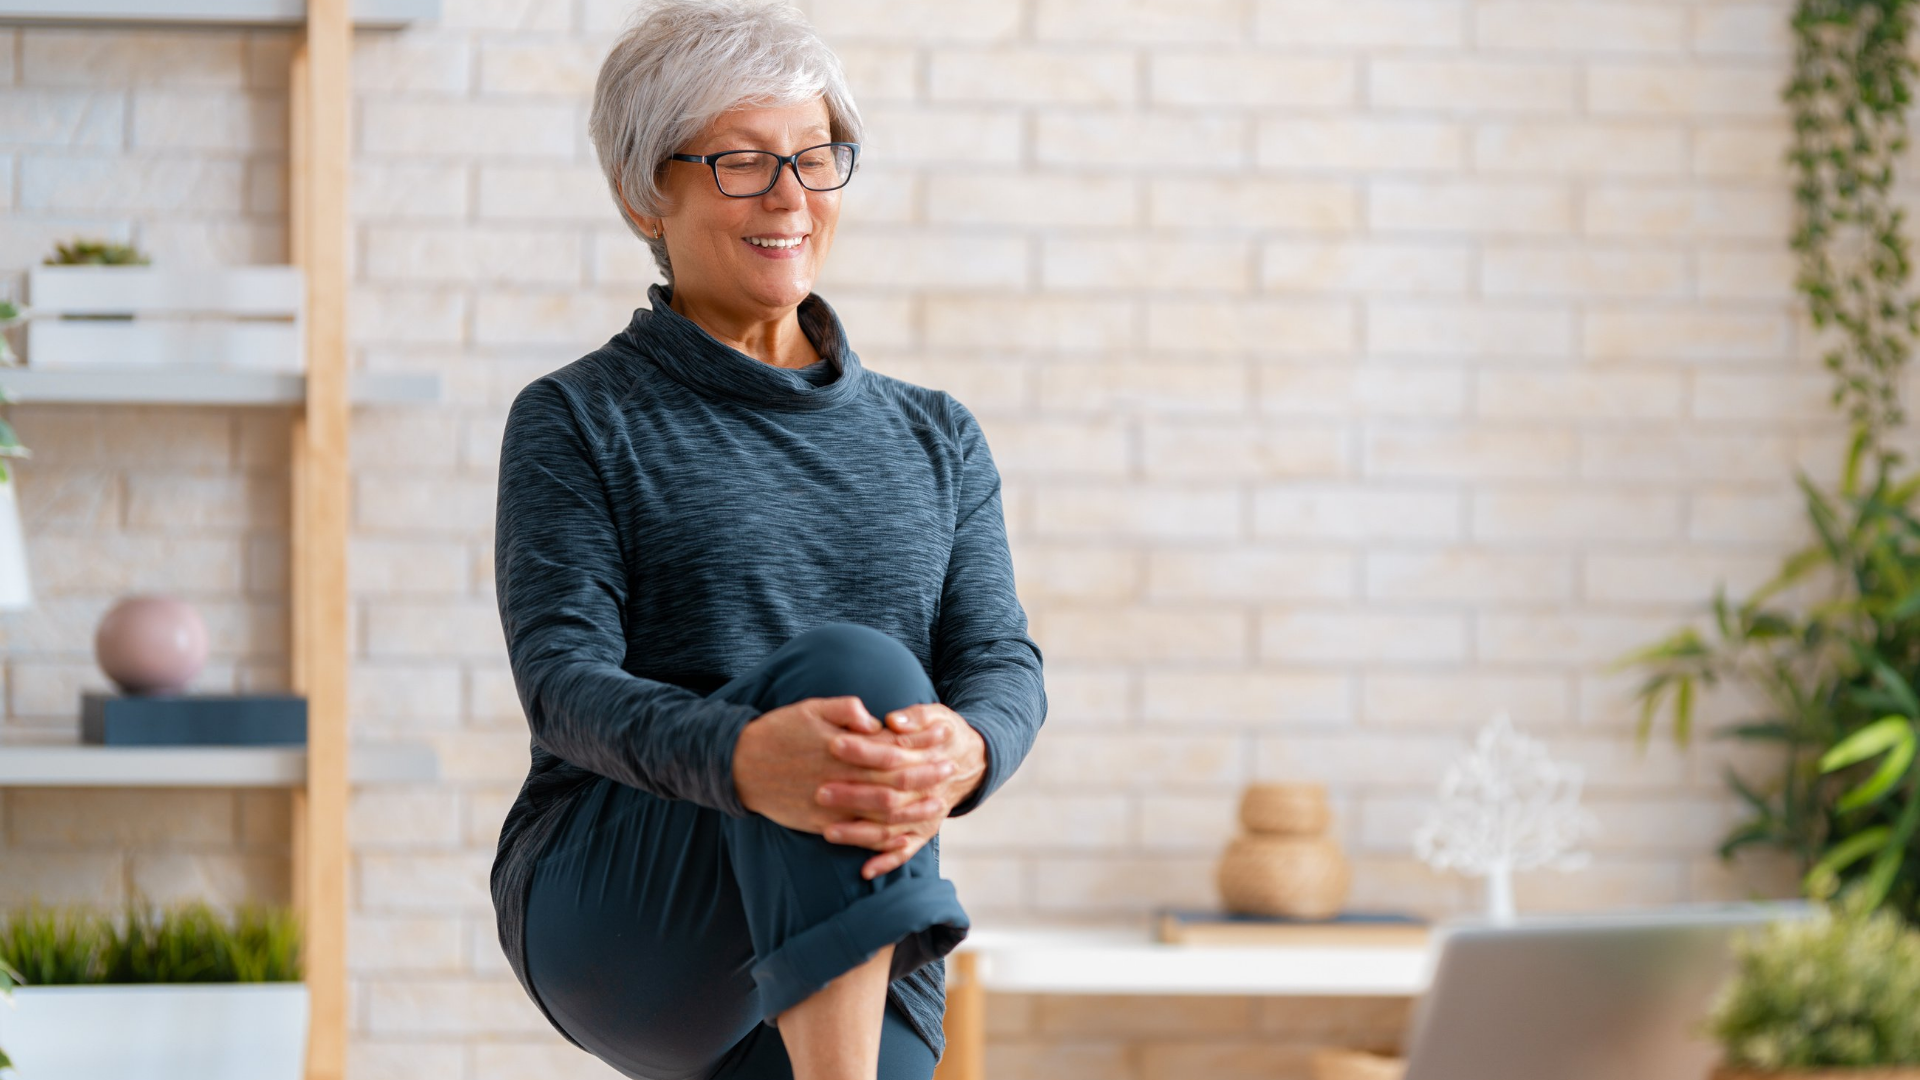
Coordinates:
[878,816]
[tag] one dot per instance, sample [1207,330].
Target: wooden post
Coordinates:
[965,1023]
[320,99]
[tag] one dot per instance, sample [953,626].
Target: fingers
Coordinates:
[877,803]
[880,753]
[849,712]
[889,861]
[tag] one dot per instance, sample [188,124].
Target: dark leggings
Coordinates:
[667,937]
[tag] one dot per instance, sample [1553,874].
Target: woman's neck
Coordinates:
[778,340]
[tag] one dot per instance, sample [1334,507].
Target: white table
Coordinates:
[1072,960]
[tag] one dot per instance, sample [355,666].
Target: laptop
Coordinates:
[1619,995]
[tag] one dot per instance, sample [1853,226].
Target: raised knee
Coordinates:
[858,659]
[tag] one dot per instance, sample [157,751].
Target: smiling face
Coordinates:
[756,257]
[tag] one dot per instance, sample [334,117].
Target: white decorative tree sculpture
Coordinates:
[1505,806]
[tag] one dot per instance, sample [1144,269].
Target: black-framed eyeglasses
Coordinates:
[742,174]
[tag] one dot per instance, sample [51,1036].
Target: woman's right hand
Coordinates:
[781,759]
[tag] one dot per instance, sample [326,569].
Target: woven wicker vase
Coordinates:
[1284,864]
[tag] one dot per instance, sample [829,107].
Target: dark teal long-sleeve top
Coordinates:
[671,510]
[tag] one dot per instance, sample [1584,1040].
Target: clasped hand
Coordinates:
[828,766]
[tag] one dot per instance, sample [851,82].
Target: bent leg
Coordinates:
[812,916]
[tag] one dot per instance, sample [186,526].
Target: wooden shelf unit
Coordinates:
[25,765]
[319,108]
[135,385]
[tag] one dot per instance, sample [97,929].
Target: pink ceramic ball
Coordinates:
[151,644]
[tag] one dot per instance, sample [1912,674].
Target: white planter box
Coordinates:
[171,1031]
[247,317]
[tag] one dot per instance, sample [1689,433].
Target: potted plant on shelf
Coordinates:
[102,305]
[16,588]
[1834,997]
[8,979]
[212,996]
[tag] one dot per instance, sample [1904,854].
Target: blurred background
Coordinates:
[1356,369]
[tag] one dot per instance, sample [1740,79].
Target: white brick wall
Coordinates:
[1356,368]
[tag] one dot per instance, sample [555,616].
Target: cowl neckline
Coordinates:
[695,358]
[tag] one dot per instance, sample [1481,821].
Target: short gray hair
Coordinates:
[679,64]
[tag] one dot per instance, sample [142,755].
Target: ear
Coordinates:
[651,226]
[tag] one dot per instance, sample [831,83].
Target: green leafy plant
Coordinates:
[1839,989]
[191,942]
[103,252]
[10,313]
[9,978]
[1836,674]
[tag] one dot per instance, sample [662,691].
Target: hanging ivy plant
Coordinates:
[1839,676]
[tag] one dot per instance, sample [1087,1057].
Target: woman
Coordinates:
[758,605]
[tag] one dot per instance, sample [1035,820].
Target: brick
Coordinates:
[120,817]
[918,258]
[1302,635]
[1237,204]
[1742,516]
[1031,324]
[1762,396]
[1042,447]
[1422,328]
[1356,512]
[1153,22]
[408,128]
[424,881]
[1583,148]
[1032,76]
[175,56]
[75,118]
[396,190]
[1366,145]
[985,198]
[1188,823]
[560,68]
[1458,86]
[232,502]
[1272,328]
[1736,29]
[1693,90]
[579,321]
[1144,264]
[394,943]
[1241,697]
[1070,571]
[222,879]
[1253,80]
[1474,453]
[1163,387]
[1745,273]
[418,1006]
[1741,152]
[1685,334]
[1669,577]
[1042,823]
[1661,458]
[988,20]
[1113,633]
[409,63]
[402,819]
[122,185]
[1693,212]
[1364,23]
[1085,885]
[405,629]
[1532,26]
[546,193]
[950,136]
[405,315]
[1360,266]
[1469,206]
[880,72]
[1158,511]
[1586,271]
[1467,574]
[1557,513]
[1466,699]
[1586,395]
[1380,390]
[469,254]
[1158,143]
[1245,451]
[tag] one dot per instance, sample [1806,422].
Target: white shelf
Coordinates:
[1088,961]
[367,14]
[74,765]
[127,385]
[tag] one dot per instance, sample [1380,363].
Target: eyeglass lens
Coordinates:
[750,172]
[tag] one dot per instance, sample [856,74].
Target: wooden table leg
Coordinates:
[965,1023]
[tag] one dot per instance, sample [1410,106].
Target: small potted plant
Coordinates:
[214,996]
[8,979]
[1833,997]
